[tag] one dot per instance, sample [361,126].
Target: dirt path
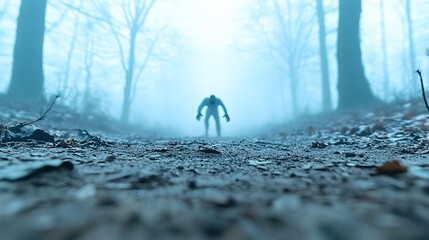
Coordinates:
[277,187]
[317,179]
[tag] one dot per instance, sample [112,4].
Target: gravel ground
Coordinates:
[317,181]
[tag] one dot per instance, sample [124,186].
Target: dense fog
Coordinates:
[252,54]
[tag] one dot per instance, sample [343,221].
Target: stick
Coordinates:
[423,88]
[41,117]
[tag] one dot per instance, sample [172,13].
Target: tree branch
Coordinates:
[143,66]
[146,13]
[42,116]
[423,88]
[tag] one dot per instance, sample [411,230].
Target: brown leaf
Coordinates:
[391,167]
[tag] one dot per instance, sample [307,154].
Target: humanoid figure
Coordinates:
[212,103]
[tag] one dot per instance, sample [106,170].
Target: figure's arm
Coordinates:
[202,105]
[200,108]
[226,116]
[223,107]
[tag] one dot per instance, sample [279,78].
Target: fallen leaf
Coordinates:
[257,162]
[391,167]
[24,171]
[154,157]
[208,150]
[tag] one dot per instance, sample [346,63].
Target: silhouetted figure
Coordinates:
[212,104]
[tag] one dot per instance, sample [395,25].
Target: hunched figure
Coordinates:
[212,103]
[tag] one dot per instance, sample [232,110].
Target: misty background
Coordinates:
[255,55]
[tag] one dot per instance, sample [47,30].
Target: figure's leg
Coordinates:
[206,123]
[216,117]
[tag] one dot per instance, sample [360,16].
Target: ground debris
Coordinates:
[319,145]
[41,135]
[110,158]
[152,178]
[208,150]
[361,164]
[25,134]
[258,162]
[69,143]
[364,131]
[154,157]
[221,201]
[82,139]
[350,154]
[391,167]
[267,187]
[161,150]
[24,171]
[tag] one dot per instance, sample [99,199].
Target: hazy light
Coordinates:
[209,24]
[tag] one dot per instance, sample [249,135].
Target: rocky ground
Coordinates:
[324,178]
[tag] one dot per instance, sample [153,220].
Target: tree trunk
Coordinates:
[283,101]
[324,64]
[27,71]
[293,89]
[89,61]
[353,87]
[384,52]
[65,82]
[411,45]
[129,76]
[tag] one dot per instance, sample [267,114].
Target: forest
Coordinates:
[214,119]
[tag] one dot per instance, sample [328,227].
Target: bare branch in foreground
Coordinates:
[423,88]
[42,116]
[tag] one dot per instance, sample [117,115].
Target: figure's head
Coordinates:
[212,99]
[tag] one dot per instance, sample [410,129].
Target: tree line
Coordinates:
[287,43]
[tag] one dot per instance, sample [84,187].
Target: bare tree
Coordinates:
[88,64]
[284,31]
[69,58]
[134,13]
[324,63]
[353,87]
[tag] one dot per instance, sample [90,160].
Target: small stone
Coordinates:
[154,157]
[208,150]
[192,184]
[350,154]
[319,145]
[41,135]
[110,158]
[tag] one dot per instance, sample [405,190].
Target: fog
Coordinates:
[240,51]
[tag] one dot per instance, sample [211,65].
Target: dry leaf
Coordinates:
[391,167]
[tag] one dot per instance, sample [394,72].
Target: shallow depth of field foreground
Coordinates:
[214,119]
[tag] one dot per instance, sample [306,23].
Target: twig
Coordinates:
[423,88]
[41,117]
